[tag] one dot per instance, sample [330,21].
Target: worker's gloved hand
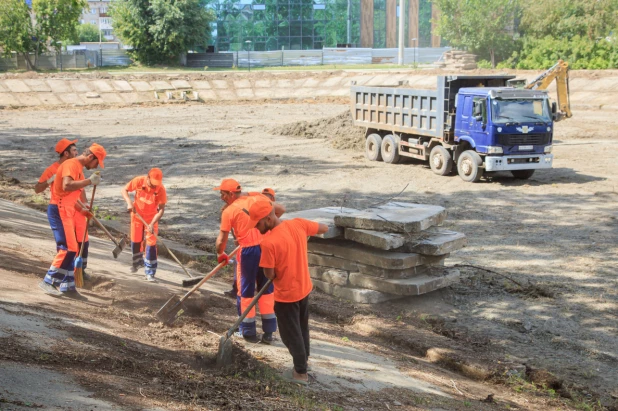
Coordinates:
[51,179]
[86,213]
[150,228]
[95,179]
[223,257]
[130,208]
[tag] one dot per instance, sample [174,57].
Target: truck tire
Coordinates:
[390,149]
[373,146]
[522,174]
[440,161]
[469,166]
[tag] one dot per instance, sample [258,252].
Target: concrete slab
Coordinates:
[80,86]
[161,85]
[262,84]
[324,215]
[17,86]
[225,94]
[38,85]
[312,83]
[285,83]
[365,255]
[103,86]
[329,275]
[352,266]
[141,85]
[331,82]
[219,84]
[181,84]
[110,98]
[244,83]
[357,295]
[201,85]
[7,100]
[49,99]
[264,93]
[433,241]
[245,93]
[28,99]
[122,86]
[435,279]
[207,95]
[59,86]
[70,98]
[3,89]
[394,217]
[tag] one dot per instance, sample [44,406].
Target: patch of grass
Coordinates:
[39,199]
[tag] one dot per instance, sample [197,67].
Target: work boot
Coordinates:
[49,289]
[267,338]
[86,276]
[151,278]
[230,293]
[249,338]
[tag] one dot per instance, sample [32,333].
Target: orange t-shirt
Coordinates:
[70,168]
[236,217]
[50,171]
[285,250]
[147,200]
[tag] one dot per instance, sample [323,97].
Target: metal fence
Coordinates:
[75,59]
[333,56]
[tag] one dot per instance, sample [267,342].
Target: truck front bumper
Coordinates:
[527,162]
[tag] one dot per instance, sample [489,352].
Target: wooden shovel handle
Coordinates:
[246,312]
[81,249]
[213,272]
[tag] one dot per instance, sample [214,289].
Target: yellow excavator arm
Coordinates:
[560,73]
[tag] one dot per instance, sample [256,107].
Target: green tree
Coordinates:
[482,26]
[88,33]
[160,30]
[17,30]
[57,20]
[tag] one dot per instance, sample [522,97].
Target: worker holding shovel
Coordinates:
[66,150]
[150,200]
[69,186]
[284,261]
[248,274]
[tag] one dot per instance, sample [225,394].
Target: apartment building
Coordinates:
[97,14]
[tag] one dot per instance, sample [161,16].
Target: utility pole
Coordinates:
[401,19]
[349,18]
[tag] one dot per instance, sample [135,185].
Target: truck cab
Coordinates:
[511,128]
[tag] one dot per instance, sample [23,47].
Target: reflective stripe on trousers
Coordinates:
[248,275]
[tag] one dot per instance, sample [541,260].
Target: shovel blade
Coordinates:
[171,310]
[224,355]
[123,241]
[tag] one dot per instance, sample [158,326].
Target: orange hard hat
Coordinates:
[259,210]
[269,191]
[156,176]
[229,184]
[63,144]
[99,152]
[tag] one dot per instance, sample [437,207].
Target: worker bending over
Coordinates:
[248,273]
[69,186]
[150,200]
[284,260]
[66,150]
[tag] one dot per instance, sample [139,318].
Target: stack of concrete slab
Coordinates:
[386,252]
[457,60]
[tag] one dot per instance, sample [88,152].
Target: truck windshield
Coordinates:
[520,111]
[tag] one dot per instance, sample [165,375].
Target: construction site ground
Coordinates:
[532,324]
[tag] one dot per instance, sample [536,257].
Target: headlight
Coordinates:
[548,129]
[494,150]
[548,149]
[499,129]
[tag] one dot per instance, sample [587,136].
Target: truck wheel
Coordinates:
[372,147]
[390,150]
[469,166]
[440,161]
[522,174]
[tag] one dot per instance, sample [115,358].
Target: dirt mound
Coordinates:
[338,130]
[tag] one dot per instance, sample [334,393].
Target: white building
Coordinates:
[96,14]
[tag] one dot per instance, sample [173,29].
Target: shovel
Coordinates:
[79,262]
[167,248]
[119,244]
[224,355]
[174,307]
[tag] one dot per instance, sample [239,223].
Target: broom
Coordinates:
[79,262]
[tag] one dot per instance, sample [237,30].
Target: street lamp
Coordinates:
[248,43]
[415,40]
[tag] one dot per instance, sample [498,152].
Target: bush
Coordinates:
[484,64]
[579,52]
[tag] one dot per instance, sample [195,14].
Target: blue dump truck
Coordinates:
[477,125]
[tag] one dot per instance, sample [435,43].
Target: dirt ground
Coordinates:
[538,292]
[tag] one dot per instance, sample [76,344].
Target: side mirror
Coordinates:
[554,107]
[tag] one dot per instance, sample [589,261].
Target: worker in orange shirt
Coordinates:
[248,273]
[150,200]
[69,186]
[284,260]
[66,150]
[270,193]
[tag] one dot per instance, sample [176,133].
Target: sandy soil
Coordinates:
[539,290]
